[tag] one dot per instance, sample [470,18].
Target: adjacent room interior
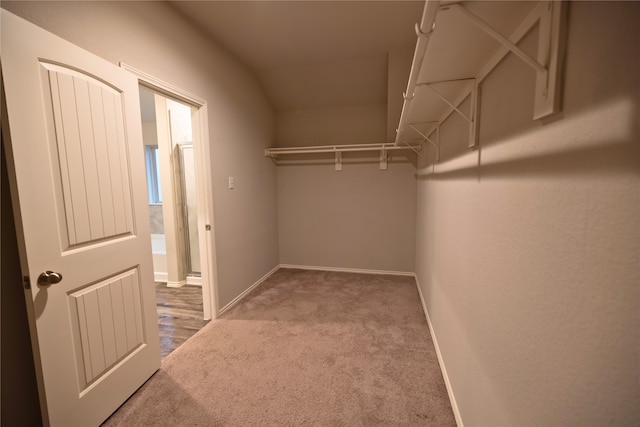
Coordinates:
[168,137]
[409,212]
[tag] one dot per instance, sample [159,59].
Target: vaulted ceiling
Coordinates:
[312,54]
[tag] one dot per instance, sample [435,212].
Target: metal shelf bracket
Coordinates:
[474,114]
[429,140]
[550,49]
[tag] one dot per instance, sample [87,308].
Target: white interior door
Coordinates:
[79,190]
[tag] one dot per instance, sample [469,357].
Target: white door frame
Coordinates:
[202,154]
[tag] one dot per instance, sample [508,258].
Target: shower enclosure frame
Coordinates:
[188,237]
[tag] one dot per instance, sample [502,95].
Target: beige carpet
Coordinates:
[306,348]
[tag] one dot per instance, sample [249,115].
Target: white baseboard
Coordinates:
[348,270]
[447,383]
[164,277]
[194,280]
[247,291]
[160,277]
[179,284]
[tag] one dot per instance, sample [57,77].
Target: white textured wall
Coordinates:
[528,250]
[152,37]
[149,133]
[351,124]
[361,217]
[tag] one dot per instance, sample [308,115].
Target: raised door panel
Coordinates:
[89,145]
[107,324]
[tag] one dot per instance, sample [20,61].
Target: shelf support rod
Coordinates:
[412,149]
[426,138]
[475,115]
[449,103]
[437,147]
[419,132]
[468,79]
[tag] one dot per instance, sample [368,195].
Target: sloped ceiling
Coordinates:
[311,54]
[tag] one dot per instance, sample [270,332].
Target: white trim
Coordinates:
[194,280]
[209,274]
[447,382]
[179,284]
[247,291]
[349,270]
[160,277]
[208,268]
[164,277]
[164,87]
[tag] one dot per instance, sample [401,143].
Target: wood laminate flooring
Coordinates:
[179,315]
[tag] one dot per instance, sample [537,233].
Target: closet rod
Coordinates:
[273,152]
[313,147]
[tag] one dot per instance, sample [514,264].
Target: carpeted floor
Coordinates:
[306,348]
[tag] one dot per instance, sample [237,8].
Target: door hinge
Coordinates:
[26,282]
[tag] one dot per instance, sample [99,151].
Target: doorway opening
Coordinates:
[200,151]
[168,139]
[171,181]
